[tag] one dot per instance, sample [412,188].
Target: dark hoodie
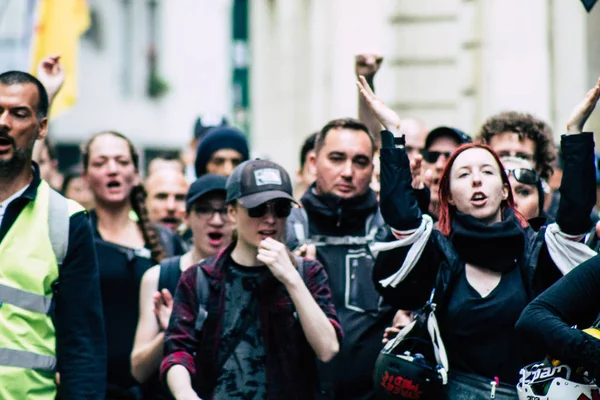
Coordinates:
[349,268]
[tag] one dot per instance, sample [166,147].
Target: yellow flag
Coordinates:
[59,25]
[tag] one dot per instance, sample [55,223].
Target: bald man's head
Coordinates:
[415,133]
[166,189]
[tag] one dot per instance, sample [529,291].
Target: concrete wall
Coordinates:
[450,62]
[194,43]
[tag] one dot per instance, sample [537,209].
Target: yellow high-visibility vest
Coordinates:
[30,255]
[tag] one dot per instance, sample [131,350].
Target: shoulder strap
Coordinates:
[301,269]
[202,290]
[169,273]
[58,224]
[301,227]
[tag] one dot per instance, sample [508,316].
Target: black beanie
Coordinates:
[218,139]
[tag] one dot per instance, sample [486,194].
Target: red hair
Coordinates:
[447,211]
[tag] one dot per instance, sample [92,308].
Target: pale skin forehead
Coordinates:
[474,157]
[109,146]
[350,141]
[19,95]
[166,177]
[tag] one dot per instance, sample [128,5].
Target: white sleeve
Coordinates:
[416,238]
[566,251]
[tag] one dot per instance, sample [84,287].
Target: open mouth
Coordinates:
[170,221]
[5,143]
[215,238]
[267,232]
[215,235]
[478,199]
[113,184]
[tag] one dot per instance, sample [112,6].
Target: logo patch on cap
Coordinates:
[267,176]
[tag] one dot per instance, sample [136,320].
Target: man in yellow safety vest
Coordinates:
[50,310]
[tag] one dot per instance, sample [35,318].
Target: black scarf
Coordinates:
[334,214]
[497,246]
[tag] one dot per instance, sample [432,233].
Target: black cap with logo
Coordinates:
[207,183]
[255,182]
[445,131]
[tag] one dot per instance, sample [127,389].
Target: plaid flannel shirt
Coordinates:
[290,361]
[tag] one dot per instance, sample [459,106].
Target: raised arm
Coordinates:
[52,75]
[399,206]
[367,65]
[578,185]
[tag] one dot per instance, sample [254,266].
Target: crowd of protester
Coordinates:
[399,262]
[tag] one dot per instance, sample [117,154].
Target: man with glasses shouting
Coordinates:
[264,317]
[206,215]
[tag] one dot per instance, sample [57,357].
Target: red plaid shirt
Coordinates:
[290,361]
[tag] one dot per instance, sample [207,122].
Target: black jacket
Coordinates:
[572,301]
[80,337]
[440,265]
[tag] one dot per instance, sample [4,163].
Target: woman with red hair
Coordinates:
[484,263]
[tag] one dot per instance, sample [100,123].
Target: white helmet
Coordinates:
[541,381]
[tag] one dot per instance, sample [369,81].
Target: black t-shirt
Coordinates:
[479,333]
[244,372]
[121,270]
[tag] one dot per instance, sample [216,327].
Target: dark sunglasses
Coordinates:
[432,156]
[281,209]
[524,175]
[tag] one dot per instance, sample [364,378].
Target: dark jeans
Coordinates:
[463,386]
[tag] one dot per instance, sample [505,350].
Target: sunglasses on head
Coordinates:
[432,156]
[523,175]
[281,209]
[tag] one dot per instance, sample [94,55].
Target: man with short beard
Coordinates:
[166,190]
[47,266]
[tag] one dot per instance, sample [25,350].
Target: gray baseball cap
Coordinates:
[255,182]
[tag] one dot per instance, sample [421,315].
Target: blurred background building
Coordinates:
[280,69]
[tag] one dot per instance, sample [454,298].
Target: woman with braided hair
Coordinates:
[127,245]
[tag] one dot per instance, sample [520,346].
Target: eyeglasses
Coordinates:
[432,156]
[209,212]
[281,209]
[524,175]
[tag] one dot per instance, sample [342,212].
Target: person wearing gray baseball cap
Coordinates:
[268,313]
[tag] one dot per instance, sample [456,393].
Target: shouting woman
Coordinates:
[484,262]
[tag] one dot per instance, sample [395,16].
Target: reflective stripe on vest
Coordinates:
[28,360]
[29,266]
[27,300]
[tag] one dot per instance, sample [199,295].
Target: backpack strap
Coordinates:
[301,269]
[202,290]
[58,224]
[169,274]
[301,227]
